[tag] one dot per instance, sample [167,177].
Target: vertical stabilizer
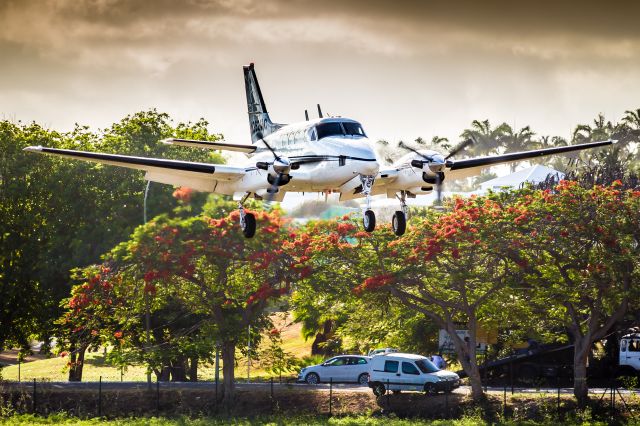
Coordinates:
[259,121]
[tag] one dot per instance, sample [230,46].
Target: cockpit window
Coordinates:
[353,129]
[329,129]
[339,129]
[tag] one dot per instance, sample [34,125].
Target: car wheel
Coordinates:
[379,389]
[312,379]
[363,379]
[430,389]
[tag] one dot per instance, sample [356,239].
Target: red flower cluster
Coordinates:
[373,283]
[183,194]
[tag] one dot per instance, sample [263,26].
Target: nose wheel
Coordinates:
[368,217]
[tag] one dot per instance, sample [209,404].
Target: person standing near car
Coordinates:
[438,361]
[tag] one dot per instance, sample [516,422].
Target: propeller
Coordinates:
[278,170]
[433,165]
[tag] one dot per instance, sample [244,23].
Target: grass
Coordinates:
[54,369]
[61,419]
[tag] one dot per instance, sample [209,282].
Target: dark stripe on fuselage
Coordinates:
[186,166]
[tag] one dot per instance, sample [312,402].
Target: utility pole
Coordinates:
[146,298]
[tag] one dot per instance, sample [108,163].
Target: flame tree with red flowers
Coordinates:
[582,251]
[211,267]
[89,319]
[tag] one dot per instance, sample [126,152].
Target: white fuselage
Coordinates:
[321,164]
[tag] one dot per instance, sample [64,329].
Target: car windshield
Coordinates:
[426,366]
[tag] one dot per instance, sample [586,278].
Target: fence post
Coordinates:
[34,396]
[158,398]
[272,394]
[504,402]
[330,396]
[19,369]
[388,392]
[558,382]
[446,404]
[100,397]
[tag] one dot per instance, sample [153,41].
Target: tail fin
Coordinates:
[259,121]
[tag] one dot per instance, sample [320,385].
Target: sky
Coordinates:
[404,68]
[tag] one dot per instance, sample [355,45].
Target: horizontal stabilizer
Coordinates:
[210,145]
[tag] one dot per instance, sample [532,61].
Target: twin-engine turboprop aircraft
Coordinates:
[322,155]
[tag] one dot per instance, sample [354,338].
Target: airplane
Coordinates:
[327,155]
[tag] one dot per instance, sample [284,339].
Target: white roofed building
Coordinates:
[534,174]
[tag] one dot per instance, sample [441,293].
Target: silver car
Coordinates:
[339,369]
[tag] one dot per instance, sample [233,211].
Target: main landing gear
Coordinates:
[247,220]
[368,216]
[399,220]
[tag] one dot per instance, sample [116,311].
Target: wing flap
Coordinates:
[200,176]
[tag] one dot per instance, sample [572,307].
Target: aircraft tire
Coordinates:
[249,228]
[369,221]
[399,223]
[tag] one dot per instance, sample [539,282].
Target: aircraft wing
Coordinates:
[458,169]
[199,176]
[210,145]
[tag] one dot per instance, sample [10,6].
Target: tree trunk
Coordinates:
[77,363]
[178,369]
[165,374]
[193,369]
[228,378]
[580,357]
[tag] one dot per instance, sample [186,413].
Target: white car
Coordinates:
[397,372]
[339,369]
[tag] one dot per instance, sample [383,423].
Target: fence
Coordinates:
[116,399]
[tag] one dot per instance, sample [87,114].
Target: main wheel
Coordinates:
[369,221]
[249,225]
[363,379]
[399,223]
[312,379]
[379,389]
[430,389]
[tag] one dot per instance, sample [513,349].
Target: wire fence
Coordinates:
[133,399]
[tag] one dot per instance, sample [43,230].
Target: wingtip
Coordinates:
[33,148]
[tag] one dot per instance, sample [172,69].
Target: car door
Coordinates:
[335,369]
[410,377]
[357,366]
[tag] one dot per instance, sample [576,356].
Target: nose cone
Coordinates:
[437,163]
[365,157]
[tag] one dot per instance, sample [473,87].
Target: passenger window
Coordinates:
[362,361]
[391,366]
[634,346]
[409,368]
[623,346]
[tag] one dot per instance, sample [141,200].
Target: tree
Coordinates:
[56,214]
[487,138]
[582,247]
[222,275]
[516,141]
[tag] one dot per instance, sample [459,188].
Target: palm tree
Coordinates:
[516,141]
[487,138]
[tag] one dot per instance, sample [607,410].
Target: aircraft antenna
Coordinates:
[306,115]
[319,111]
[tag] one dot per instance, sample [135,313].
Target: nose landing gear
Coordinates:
[368,216]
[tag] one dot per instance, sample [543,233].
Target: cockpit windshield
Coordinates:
[329,129]
[353,129]
[339,129]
